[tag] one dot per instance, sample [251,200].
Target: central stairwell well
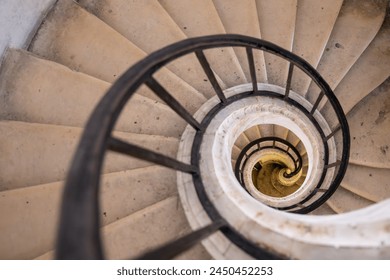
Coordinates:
[212,147]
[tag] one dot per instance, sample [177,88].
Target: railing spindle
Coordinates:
[182,244]
[289,78]
[120,146]
[333,133]
[252,68]
[333,164]
[161,92]
[210,74]
[315,106]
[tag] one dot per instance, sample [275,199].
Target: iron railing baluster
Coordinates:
[161,92]
[122,147]
[334,164]
[289,78]
[210,75]
[252,69]
[315,106]
[333,133]
[174,248]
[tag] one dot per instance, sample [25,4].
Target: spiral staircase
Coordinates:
[82,47]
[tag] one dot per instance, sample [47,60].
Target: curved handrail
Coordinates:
[79,235]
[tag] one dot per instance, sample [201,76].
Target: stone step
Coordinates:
[34,154]
[301,148]
[86,44]
[240,17]
[355,27]
[293,139]
[235,153]
[29,216]
[253,133]
[344,201]
[266,130]
[280,131]
[242,141]
[200,20]
[314,23]
[370,70]
[144,230]
[370,183]
[41,91]
[129,20]
[369,124]
[277,24]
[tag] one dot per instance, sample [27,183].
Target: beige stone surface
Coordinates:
[149,26]
[145,229]
[277,23]
[314,23]
[369,71]
[370,183]
[240,17]
[37,208]
[35,154]
[126,192]
[41,91]
[266,130]
[343,201]
[28,220]
[293,139]
[201,20]
[253,133]
[242,141]
[356,26]
[369,124]
[280,131]
[79,40]
[47,94]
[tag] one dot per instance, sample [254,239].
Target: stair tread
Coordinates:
[344,201]
[370,183]
[242,141]
[368,72]
[24,236]
[84,44]
[253,133]
[277,23]
[314,22]
[355,27]
[129,20]
[240,17]
[201,20]
[136,233]
[31,98]
[35,154]
[369,124]
[280,131]
[266,130]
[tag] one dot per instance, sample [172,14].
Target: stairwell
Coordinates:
[49,90]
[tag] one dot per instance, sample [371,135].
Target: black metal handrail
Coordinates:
[79,230]
[290,151]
